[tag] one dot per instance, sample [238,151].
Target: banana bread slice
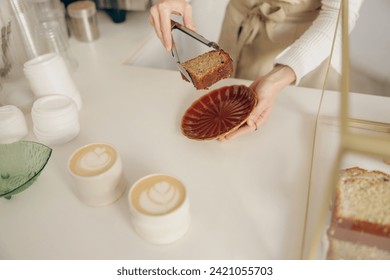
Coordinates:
[363,204]
[209,68]
[360,227]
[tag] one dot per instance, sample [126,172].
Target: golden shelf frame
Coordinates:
[349,141]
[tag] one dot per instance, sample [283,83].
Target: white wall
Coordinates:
[208,17]
[370,49]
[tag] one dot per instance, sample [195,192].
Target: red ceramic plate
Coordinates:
[218,112]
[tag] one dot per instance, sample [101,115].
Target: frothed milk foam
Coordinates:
[92,160]
[157,195]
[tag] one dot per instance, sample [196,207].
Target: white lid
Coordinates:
[81,9]
[13,126]
[55,119]
[41,60]
[54,105]
[9,115]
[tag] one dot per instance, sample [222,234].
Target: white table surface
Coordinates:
[248,196]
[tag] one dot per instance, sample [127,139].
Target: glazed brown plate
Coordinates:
[218,112]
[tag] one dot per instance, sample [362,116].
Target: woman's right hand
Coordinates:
[266,87]
[160,18]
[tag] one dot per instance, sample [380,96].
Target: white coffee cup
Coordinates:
[98,174]
[159,208]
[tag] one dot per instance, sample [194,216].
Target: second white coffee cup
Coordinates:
[159,208]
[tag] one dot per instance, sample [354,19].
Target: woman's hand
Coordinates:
[160,18]
[266,87]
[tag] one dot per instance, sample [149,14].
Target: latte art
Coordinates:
[92,160]
[157,195]
[156,200]
[95,159]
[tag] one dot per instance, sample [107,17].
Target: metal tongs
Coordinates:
[194,35]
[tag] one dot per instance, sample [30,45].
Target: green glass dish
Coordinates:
[21,163]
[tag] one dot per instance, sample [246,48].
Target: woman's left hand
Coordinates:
[266,88]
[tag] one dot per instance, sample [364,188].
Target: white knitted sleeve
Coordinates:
[314,46]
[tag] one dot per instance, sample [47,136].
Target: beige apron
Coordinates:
[254,32]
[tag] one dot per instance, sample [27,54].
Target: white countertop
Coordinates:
[248,196]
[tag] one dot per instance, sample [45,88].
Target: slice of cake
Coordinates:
[363,204]
[360,227]
[209,68]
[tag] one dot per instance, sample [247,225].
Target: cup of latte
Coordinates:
[98,174]
[159,208]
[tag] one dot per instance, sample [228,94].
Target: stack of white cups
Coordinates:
[55,119]
[13,125]
[48,75]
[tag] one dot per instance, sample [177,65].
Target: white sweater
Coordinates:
[314,46]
